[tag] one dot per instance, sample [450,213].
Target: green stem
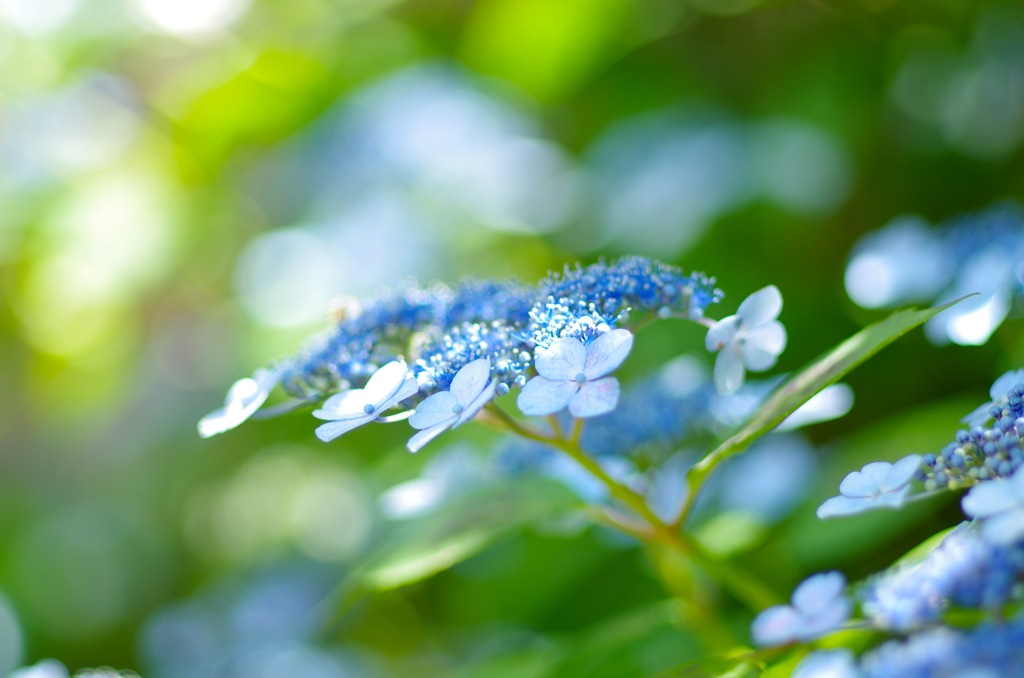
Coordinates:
[738,581]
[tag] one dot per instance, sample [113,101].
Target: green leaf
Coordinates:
[456,532]
[805,384]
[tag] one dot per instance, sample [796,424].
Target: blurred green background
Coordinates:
[188,187]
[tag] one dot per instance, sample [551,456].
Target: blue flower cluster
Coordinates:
[983,452]
[908,261]
[441,354]
[989,649]
[966,571]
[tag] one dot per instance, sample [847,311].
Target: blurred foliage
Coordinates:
[187,186]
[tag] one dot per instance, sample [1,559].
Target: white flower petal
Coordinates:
[761,306]
[1004,383]
[435,409]
[385,382]
[721,333]
[989,498]
[477,404]
[408,388]
[417,442]
[243,399]
[866,482]
[762,345]
[1005,528]
[544,396]
[841,506]
[607,352]
[470,380]
[901,473]
[563,359]
[344,405]
[729,370]
[330,431]
[595,398]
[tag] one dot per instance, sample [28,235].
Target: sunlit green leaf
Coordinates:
[813,378]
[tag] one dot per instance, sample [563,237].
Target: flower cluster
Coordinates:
[908,261]
[989,649]
[438,355]
[966,570]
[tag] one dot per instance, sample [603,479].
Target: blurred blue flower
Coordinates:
[752,338]
[243,399]
[999,504]
[571,374]
[828,664]
[964,570]
[999,395]
[819,607]
[879,484]
[471,389]
[350,409]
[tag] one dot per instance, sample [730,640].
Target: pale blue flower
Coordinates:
[243,399]
[819,607]
[998,394]
[472,387]
[1000,506]
[839,663]
[751,339]
[350,409]
[571,374]
[879,484]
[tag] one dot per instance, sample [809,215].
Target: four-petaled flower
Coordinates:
[752,338]
[1000,506]
[243,399]
[471,389]
[877,485]
[572,374]
[818,608]
[388,386]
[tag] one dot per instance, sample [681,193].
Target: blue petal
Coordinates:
[775,626]
[434,410]
[595,398]
[385,382]
[607,352]
[543,396]
[564,359]
[330,431]
[475,406]
[471,380]
[417,442]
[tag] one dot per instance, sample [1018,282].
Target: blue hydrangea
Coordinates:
[877,485]
[964,571]
[999,505]
[989,649]
[819,607]
[439,330]
[973,253]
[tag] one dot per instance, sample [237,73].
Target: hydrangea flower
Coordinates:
[878,484]
[1000,505]
[999,394]
[819,607]
[571,374]
[243,399]
[350,409]
[472,387]
[751,339]
[839,663]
